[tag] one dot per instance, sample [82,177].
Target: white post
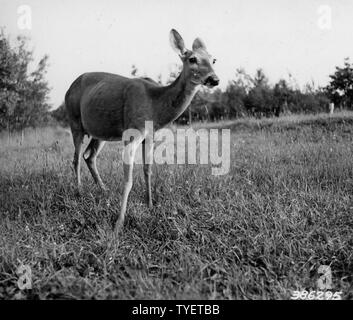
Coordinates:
[332,107]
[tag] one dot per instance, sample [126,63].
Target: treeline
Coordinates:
[254,96]
[24,93]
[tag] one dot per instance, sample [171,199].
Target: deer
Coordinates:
[103,105]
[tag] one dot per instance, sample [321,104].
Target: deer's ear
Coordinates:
[177,42]
[198,44]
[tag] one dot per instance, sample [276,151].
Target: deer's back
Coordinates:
[106,104]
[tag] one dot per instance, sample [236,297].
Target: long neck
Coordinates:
[172,100]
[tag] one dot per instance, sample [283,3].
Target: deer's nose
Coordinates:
[212,80]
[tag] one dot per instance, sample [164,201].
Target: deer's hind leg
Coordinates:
[77,136]
[90,155]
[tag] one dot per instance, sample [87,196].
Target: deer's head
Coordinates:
[197,63]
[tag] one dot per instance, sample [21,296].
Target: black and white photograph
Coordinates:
[180,151]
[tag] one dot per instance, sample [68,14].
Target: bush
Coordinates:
[23,94]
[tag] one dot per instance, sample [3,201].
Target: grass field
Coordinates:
[260,232]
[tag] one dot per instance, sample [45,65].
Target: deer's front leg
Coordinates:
[128,165]
[147,153]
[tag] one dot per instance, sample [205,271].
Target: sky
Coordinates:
[306,38]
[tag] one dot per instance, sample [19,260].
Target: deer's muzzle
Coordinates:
[211,81]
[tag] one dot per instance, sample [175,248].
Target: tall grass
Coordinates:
[260,232]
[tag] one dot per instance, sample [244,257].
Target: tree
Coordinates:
[281,96]
[8,94]
[235,94]
[233,100]
[340,88]
[259,101]
[23,94]
[260,79]
[60,115]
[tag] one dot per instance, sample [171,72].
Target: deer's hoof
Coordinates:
[149,203]
[118,228]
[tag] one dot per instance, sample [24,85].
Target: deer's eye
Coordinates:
[193,60]
[214,61]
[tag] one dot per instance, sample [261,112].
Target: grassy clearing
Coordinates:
[259,232]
